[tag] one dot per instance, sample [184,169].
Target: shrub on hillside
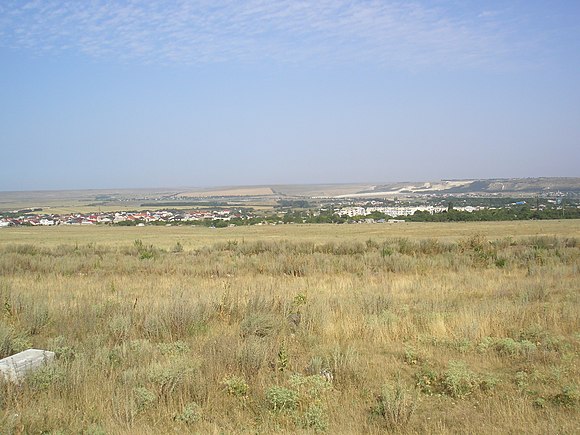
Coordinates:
[458,381]
[395,406]
[281,398]
[236,386]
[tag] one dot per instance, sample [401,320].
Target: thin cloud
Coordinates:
[402,34]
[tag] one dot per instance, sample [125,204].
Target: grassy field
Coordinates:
[423,328]
[195,237]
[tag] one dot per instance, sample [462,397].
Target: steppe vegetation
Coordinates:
[424,328]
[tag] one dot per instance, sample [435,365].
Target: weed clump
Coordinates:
[315,418]
[173,348]
[458,381]
[45,377]
[395,407]
[511,347]
[569,397]
[145,252]
[191,414]
[508,347]
[236,386]
[10,341]
[144,398]
[260,325]
[309,387]
[411,356]
[304,399]
[428,380]
[281,398]
[168,377]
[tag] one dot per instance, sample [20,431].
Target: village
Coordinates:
[35,217]
[221,218]
[222,214]
[31,218]
[399,211]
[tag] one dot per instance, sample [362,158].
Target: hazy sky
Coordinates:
[136,93]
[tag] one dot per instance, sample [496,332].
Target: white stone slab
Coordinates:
[15,367]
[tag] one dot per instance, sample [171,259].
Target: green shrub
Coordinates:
[316,365]
[94,429]
[173,348]
[427,380]
[178,247]
[282,399]
[507,346]
[36,319]
[411,356]
[430,247]
[386,251]
[236,386]
[282,361]
[344,363]
[143,398]
[540,402]
[569,397]
[10,342]
[461,345]
[141,346]
[395,406]
[458,381]
[536,293]
[167,377]
[310,387]
[299,300]
[260,325]
[375,303]
[521,379]
[485,344]
[115,356]
[305,398]
[488,383]
[405,246]
[511,347]
[144,252]
[62,351]
[119,327]
[500,262]
[253,354]
[182,317]
[44,377]
[191,413]
[542,338]
[315,418]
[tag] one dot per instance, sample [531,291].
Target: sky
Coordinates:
[99,94]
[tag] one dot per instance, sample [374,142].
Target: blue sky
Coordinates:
[111,94]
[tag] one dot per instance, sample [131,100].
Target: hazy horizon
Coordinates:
[113,95]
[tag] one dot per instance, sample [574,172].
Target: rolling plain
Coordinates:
[410,328]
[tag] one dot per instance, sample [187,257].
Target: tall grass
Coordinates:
[232,335]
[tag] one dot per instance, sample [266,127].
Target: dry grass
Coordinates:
[234,191]
[425,328]
[195,237]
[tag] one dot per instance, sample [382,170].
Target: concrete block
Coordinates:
[15,367]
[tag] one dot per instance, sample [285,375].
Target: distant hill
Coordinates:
[503,186]
[115,199]
[228,192]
